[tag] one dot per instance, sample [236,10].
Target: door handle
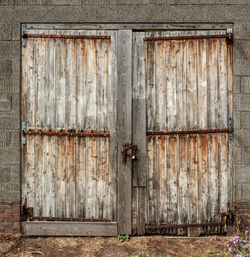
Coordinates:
[129,150]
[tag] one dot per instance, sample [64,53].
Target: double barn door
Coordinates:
[88,96]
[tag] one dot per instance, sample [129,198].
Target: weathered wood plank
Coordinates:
[192,180]
[124,53]
[192,112]
[162,196]
[171,70]
[222,82]
[203,177]
[213,177]
[224,174]
[150,86]
[172,178]
[183,181]
[181,78]
[202,83]
[212,83]
[50,228]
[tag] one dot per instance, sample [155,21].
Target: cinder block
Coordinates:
[245,120]
[9,120]
[237,85]
[60,13]
[242,191]
[6,30]
[16,66]
[65,2]
[237,159]
[5,67]
[242,174]
[9,186]
[242,102]
[9,49]
[15,102]
[15,138]
[5,103]
[246,156]
[241,30]
[241,66]
[7,2]
[96,2]
[16,32]
[241,137]
[245,84]
[236,120]
[242,48]
[5,138]
[10,155]
[9,84]
[30,2]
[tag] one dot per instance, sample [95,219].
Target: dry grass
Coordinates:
[16,245]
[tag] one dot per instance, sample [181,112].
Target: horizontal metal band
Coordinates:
[65,36]
[70,133]
[189,132]
[227,36]
[185,225]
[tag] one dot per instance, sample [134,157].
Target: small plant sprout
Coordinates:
[123,238]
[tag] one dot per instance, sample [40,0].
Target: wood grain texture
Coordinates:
[124,57]
[70,84]
[186,86]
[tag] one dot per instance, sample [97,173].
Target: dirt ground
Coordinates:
[17,245]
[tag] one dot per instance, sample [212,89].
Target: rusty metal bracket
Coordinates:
[227,218]
[62,132]
[63,36]
[27,215]
[189,132]
[26,212]
[228,36]
[125,154]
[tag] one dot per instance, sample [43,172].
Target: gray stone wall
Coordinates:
[15,12]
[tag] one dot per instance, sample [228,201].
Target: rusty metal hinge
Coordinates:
[23,135]
[230,126]
[24,32]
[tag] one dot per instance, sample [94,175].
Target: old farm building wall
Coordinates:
[121,116]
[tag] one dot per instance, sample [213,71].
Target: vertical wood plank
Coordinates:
[171,48]
[150,86]
[183,182]
[192,180]
[61,177]
[181,78]
[124,54]
[202,83]
[162,197]
[213,176]
[222,84]
[224,174]
[192,85]
[212,83]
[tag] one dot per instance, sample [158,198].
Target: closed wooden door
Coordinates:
[182,93]
[69,114]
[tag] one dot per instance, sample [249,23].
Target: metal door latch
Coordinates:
[125,152]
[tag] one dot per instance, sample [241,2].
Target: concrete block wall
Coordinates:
[15,12]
